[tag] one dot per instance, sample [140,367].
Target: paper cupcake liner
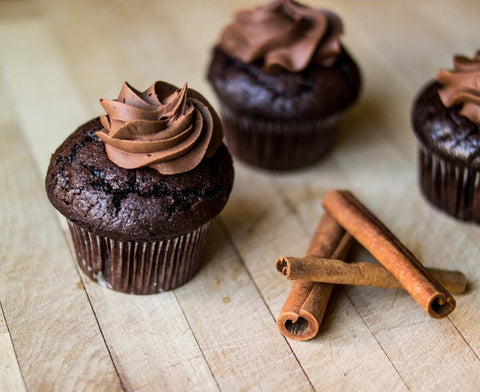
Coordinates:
[278,144]
[139,267]
[451,187]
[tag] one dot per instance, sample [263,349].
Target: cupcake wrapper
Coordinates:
[139,267]
[451,187]
[278,144]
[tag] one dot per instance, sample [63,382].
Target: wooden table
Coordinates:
[59,331]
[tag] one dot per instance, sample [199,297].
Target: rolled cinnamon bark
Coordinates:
[368,230]
[305,306]
[321,270]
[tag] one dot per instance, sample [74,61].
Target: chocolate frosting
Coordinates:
[284,34]
[462,86]
[168,129]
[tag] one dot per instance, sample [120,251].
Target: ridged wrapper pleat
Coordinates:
[277,144]
[450,186]
[139,267]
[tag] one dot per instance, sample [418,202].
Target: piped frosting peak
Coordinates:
[462,86]
[168,129]
[284,34]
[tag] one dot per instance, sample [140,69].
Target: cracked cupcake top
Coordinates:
[133,204]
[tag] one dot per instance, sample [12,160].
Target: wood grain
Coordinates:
[405,72]
[132,354]
[233,326]
[133,327]
[218,332]
[256,218]
[50,320]
[11,378]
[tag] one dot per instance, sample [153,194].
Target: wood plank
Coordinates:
[371,338]
[140,366]
[252,203]
[133,327]
[11,379]
[438,25]
[394,186]
[194,297]
[464,41]
[85,52]
[32,101]
[441,40]
[40,291]
[262,280]
[435,31]
[456,26]
[265,226]
[150,340]
[12,9]
[189,49]
[392,316]
[236,331]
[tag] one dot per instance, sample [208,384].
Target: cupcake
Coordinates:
[140,185]
[446,121]
[284,81]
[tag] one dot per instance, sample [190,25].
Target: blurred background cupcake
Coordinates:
[446,121]
[284,81]
[140,186]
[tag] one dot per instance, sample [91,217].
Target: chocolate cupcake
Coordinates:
[140,186]
[284,82]
[446,121]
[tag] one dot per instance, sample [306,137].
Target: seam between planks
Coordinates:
[98,324]
[197,342]
[13,345]
[404,81]
[290,207]
[408,84]
[72,258]
[238,254]
[403,157]
[465,340]
[379,345]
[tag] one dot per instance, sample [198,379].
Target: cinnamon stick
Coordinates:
[317,269]
[305,306]
[349,212]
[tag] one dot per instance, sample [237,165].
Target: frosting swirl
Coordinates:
[462,86]
[284,34]
[168,129]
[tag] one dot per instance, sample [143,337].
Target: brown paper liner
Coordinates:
[451,187]
[139,267]
[278,144]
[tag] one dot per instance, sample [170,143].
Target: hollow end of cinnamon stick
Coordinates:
[281,264]
[303,326]
[317,269]
[304,308]
[440,306]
